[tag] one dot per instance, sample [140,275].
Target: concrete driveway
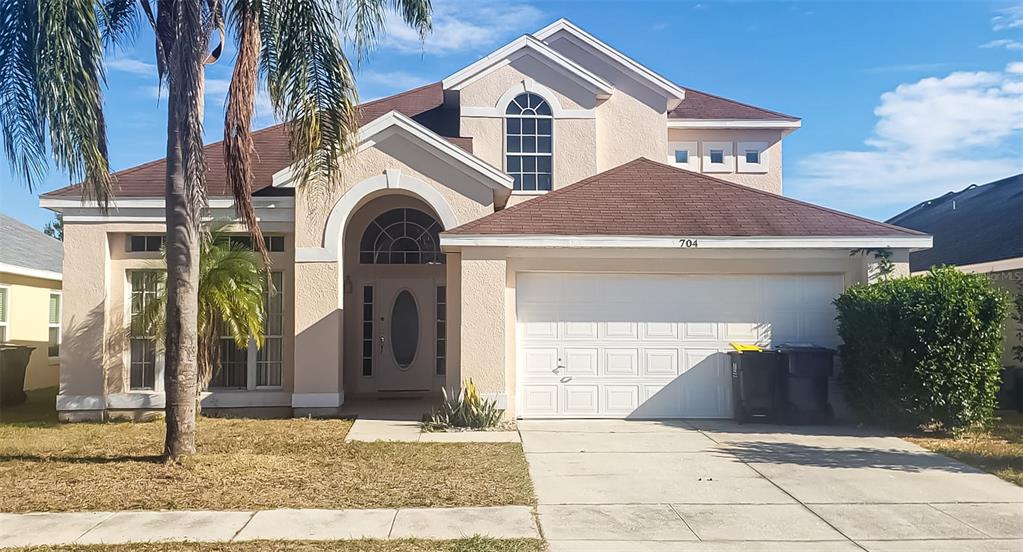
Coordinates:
[621,486]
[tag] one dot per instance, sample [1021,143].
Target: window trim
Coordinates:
[728,157]
[756,168]
[252,352]
[691,147]
[6,322]
[58,325]
[504,141]
[128,239]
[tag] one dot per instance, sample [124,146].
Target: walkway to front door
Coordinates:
[622,486]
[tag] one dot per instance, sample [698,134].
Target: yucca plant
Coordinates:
[465,410]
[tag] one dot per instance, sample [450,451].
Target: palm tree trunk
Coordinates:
[182,297]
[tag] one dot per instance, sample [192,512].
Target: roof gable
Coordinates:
[28,251]
[564,27]
[647,198]
[528,45]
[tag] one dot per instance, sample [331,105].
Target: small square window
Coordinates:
[682,157]
[753,156]
[717,156]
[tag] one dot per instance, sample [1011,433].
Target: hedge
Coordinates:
[922,350]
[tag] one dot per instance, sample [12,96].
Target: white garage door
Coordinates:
[643,346]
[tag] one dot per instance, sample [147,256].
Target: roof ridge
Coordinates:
[751,106]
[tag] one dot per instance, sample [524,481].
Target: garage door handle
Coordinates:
[557,369]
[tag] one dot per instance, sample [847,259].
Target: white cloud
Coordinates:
[931,136]
[1008,18]
[1015,68]
[1004,43]
[131,65]
[463,25]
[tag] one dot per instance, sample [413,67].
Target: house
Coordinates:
[573,231]
[979,230]
[30,298]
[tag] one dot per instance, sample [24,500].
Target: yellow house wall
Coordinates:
[28,323]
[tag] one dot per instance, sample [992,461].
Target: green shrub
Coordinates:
[922,350]
[466,410]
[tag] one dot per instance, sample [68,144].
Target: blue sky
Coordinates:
[900,101]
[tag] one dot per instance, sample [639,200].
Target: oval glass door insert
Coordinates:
[404,329]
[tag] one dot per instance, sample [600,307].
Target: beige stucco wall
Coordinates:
[771,181]
[487,90]
[28,324]
[629,128]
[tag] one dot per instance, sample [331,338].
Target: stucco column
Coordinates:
[482,347]
[318,340]
[86,323]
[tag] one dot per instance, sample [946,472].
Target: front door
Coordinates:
[404,316]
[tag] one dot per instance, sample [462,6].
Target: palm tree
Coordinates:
[51,80]
[232,287]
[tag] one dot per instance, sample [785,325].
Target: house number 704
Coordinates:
[687,243]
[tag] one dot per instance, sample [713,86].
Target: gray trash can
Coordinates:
[13,363]
[806,371]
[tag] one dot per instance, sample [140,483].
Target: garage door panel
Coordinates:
[581,362]
[660,362]
[621,399]
[581,400]
[653,346]
[621,362]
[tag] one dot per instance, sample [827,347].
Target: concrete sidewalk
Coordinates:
[502,522]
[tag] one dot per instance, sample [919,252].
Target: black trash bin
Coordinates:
[13,362]
[757,387]
[806,369]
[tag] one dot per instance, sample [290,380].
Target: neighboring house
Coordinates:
[980,230]
[576,233]
[30,298]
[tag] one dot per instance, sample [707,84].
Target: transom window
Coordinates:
[402,236]
[529,133]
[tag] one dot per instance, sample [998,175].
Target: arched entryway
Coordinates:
[394,298]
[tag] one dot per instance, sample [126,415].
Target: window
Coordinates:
[442,301]
[754,157]
[250,367]
[401,236]
[53,346]
[529,134]
[145,287]
[5,296]
[367,330]
[138,244]
[274,244]
[682,157]
[718,157]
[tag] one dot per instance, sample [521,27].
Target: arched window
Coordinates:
[529,128]
[401,236]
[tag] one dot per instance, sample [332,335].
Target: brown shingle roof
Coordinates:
[272,154]
[701,105]
[647,198]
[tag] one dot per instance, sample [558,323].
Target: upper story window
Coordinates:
[274,244]
[753,157]
[138,243]
[401,236]
[529,133]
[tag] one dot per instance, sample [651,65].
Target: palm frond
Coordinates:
[241,97]
[310,83]
[21,119]
[119,19]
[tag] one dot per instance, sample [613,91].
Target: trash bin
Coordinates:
[806,369]
[1010,392]
[13,362]
[757,389]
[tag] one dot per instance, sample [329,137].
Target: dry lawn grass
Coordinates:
[247,464]
[467,545]
[998,450]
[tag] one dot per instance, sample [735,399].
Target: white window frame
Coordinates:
[694,155]
[6,323]
[58,325]
[252,354]
[727,149]
[761,147]
[158,361]
[504,139]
